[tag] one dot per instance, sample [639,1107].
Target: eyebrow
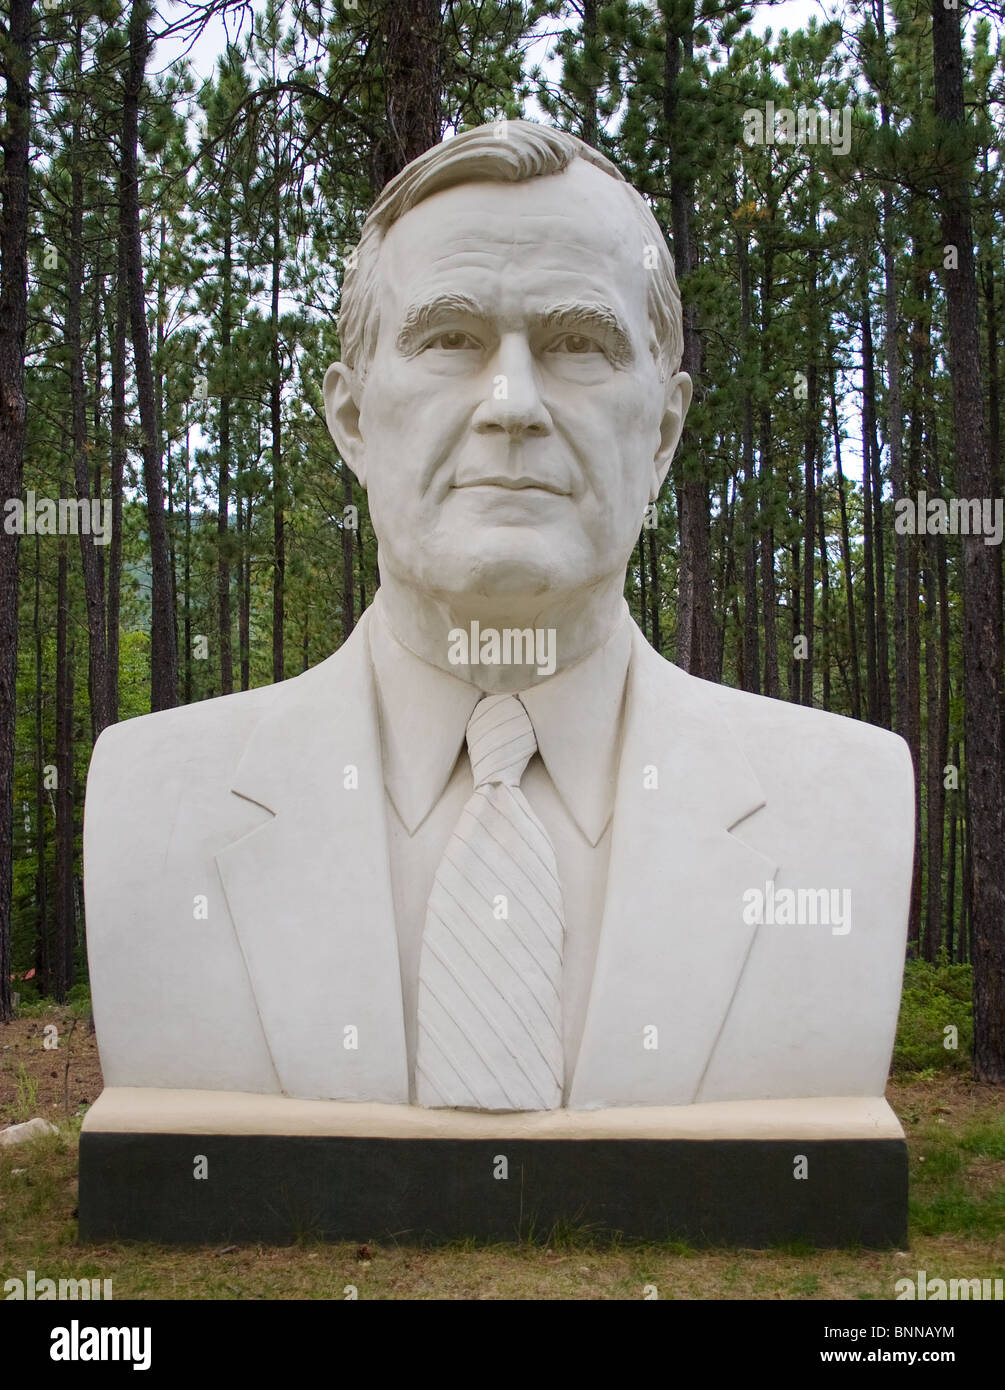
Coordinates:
[573,315]
[419,318]
[601,318]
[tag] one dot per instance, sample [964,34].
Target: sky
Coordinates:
[790,14]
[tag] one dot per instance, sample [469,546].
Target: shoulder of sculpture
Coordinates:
[149,767]
[182,734]
[814,752]
[810,750]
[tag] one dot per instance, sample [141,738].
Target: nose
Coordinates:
[513,405]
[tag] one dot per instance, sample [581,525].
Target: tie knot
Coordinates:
[501,740]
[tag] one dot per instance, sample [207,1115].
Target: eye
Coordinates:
[453,341]
[577,343]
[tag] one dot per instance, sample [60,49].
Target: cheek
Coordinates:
[620,433]
[416,424]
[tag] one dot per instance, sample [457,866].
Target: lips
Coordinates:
[508,484]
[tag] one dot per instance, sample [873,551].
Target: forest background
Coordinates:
[172,250]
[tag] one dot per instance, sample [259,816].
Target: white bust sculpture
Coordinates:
[649,890]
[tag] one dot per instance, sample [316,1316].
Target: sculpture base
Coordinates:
[203,1166]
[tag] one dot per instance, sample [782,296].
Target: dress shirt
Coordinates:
[570,783]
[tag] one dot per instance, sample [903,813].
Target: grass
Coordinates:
[27,1094]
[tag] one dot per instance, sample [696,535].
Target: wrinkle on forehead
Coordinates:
[549,238]
[590,206]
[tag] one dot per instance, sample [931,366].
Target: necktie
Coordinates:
[490,970]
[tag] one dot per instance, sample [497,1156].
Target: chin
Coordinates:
[506,569]
[501,577]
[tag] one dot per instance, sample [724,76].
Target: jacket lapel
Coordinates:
[310,889]
[673,942]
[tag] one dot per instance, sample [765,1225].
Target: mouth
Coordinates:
[513,485]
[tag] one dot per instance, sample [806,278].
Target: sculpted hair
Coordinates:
[506,152]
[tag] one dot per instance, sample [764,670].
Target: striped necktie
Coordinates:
[490,971]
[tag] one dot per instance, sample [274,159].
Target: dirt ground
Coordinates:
[65,1078]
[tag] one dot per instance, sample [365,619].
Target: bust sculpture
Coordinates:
[496,853]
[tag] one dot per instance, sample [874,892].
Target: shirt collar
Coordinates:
[424,712]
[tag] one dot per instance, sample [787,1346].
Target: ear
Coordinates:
[676,401]
[342,414]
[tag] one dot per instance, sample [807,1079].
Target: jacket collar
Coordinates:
[673,944]
[424,712]
[309,889]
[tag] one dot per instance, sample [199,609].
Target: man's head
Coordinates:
[509,392]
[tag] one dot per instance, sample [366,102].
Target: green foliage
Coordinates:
[956,1188]
[24,1100]
[79,1000]
[935,997]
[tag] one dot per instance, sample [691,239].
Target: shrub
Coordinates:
[936,996]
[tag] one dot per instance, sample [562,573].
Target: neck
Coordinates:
[502,645]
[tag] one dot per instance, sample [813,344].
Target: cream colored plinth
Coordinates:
[145,1110]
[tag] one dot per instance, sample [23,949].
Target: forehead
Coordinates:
[515,246]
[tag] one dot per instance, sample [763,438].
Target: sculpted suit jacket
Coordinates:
[240,919]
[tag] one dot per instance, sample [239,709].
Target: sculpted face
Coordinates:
[513,425]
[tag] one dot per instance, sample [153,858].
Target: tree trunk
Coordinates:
[590,126]
[43,958]
[361,555]
[348,579]
[967,885]
[994,418]
[935,777]
[187,565]
[278,485]
[894,426]
[945,689]
[810,518]
[882,639]
[643,603]
[849,581]
[795,666]
[94,593]
[936,636]
[65,906]
[223,458]
[412,31]
[15,64]
[766,499]
[908,661]
[655,593]
[981,648]
[163,640]
[117,467]
[751,637]
[244,580]
[825,598]
[951,879]
[696,633]
[869,572]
